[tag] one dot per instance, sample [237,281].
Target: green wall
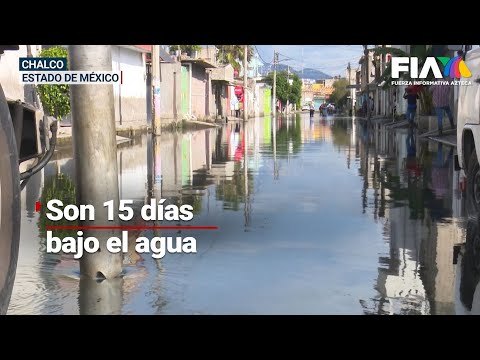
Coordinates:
[267,101]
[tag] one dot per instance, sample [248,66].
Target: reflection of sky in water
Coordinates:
[316,226]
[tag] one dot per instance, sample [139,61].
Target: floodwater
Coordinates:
[322,216]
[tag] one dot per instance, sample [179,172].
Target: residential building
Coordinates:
[351,76]
[198,98]
[130,97]
[221,78]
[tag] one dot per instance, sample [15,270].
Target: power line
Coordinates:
[320,67]
[260,56]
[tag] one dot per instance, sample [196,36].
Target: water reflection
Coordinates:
[100,297]
[469,270]
[422,222]
[316,215]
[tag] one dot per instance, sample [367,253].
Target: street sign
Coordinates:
[356,86]
[238,90]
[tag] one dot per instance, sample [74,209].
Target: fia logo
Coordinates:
[453,67]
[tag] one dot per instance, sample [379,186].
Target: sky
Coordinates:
[331,59]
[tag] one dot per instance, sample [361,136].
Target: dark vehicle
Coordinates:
[20,140]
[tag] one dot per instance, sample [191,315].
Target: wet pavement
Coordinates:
[322,216]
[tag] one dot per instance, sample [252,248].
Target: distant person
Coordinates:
[312,110]
[412,166]
[441,102]
[411,144]
[237,110]
[411,97]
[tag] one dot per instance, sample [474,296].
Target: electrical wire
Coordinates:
[260,56]
[321,68]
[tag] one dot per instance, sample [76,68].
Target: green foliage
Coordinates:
[286,135]
[388,50]
[232,192]
[185,48]
[285,91]
[340,92]
[340,135]
[194,200]
[59,187]
[55,98]
[295,94]
[233,54]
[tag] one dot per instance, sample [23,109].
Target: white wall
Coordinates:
[130,97]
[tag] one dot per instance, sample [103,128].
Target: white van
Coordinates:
[468,129]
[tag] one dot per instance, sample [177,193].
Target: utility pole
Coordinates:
[245,82]
[157,124]
[367,58]
[95,154]
[349,70]
[275,60]
[288,87]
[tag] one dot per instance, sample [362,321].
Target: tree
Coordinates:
[185,48]
[55,98]
[340,92]
[233,55]
[284,90]
[295,93]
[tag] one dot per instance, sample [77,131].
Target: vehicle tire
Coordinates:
[9,205]
[473,185]
[470,264]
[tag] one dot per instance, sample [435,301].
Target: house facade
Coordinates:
[130,97]
[221,78]
[198,98]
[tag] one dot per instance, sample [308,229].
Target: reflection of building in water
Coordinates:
[171,164]
[132,165]
[421,223]
[438,272]
[313,130]
[399,281]
[467,284]
[186,158]
[54,282]
[438,256]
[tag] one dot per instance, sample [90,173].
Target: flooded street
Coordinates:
[322,216]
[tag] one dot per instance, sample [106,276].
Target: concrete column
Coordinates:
[157,124]
[245,82]
[95,154]
[100,298]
